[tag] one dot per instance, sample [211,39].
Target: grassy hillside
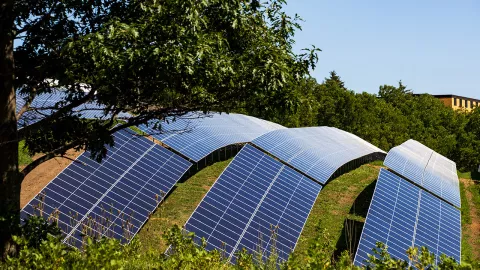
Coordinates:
[340,210]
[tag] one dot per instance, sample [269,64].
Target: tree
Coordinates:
[151,58]
[395,95]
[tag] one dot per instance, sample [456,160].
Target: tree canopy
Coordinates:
[152,59]
[389,118]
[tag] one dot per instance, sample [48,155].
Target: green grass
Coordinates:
[24,157]
[469,175]
[475,190]
[333,211]
[178,206]
[467,253]
[377,163]
[137,130]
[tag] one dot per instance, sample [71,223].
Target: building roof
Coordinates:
[452,96]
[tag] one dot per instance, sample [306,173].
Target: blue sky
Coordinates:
[432,46]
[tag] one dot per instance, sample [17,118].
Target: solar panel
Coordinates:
[114,198]
[402,215]
[316,151]
[426,168]
[196,135]
[253,197]
[44,105]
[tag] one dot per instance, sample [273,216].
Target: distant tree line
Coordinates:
[388,118]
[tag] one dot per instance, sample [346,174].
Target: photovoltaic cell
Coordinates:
[315,151]
[44,105]
[254,197]
[114,198]
[402,215]
[426,168]
[196,135]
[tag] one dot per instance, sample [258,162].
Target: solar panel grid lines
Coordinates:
[108,190]
[125,182]
[383,224]
[206,203]
[196,135]
[136,204]
[166,189]
[435,223]
[252,196]
[289,220]
[425,167]
[254,212]
[315,151]
[402,215]
[45,104]
[68,168]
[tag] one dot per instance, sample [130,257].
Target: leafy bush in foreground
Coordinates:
[48,252]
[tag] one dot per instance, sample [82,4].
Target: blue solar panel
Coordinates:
[316,151]
[43,105]
[426,168]
[196,135]
[402,215]
[114,198]
[254,193]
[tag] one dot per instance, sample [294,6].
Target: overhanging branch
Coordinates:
[55,115]
[27,104]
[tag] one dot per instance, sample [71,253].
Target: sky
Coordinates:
[433,46]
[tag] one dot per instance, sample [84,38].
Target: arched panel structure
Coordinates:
[253,196]
[426,168]
[196,135]
[258,194]
[316,151]
[113,198]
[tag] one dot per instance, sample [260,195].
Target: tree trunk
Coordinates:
[10,179]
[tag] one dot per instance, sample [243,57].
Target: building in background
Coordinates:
[458,102]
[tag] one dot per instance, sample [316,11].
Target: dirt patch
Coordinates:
[474,227]
[375,166]
[336,212]
[37,179]
[207,188]
[347,198]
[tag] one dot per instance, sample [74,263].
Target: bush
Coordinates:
[36,229]
[46,251]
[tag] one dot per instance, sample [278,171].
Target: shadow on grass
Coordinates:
[362,202]
[476,176]
[349,239]
[353,226]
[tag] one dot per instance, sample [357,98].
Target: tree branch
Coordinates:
[130,122]
[25,130]
[26,105]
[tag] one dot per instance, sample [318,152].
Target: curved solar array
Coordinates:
[255,196]
[316,151]
[426,168]
[196,135]
[44,105]
[402,215]
[113,198]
